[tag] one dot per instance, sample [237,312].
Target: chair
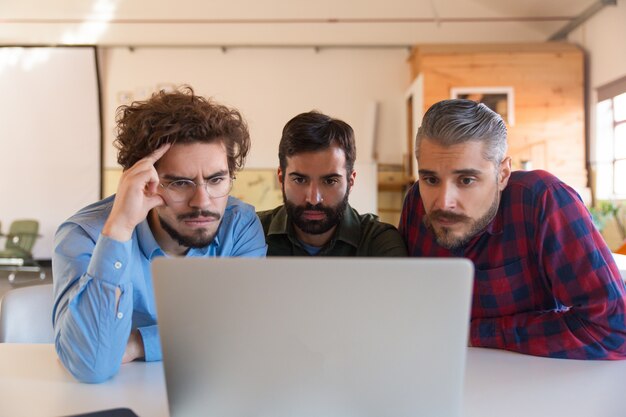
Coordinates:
[17,255]
[26,315]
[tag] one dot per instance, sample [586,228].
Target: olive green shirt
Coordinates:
[356,235]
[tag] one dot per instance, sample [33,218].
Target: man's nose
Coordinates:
[314,195]
[200,198]
[447,197]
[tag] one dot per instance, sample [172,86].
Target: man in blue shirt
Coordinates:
[179,152]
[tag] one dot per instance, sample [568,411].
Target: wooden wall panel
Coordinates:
[548,83]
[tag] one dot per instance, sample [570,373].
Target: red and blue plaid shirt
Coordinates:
[545,282]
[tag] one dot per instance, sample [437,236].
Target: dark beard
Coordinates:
[334,214]
[200,239]
[446,239]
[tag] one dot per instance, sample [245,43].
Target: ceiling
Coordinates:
[281,22]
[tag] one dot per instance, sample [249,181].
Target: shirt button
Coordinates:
[117,265]
[120,315]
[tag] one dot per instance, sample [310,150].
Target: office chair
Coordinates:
[17,255]
[26,315]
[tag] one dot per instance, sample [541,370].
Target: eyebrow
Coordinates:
[467,171]
[332,176]
[171,177]
[222,173]
[297,174]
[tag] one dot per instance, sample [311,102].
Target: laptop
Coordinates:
[313,337]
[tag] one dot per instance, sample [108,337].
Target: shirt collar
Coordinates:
[147,242]
[496,225]
[349,229]
[279,225]
[205,250]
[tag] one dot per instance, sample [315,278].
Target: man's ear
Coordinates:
[280,175]
[351,178]
[504,173]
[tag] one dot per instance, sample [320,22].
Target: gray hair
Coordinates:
[456,121]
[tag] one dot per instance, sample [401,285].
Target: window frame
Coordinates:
[608,93]
[615,159]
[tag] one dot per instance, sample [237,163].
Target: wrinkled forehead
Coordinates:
[191,159]
[436,157]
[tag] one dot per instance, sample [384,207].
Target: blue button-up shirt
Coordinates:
[91,331]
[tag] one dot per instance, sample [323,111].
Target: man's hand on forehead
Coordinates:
[137,194]
[151,159]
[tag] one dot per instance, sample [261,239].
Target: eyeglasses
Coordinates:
[183,190]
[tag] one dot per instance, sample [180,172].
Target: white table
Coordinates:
[33,383]
[506,384]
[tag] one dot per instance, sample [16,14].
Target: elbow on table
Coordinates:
[92,376]
[84,370]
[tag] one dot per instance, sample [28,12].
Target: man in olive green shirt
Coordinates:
[317,155]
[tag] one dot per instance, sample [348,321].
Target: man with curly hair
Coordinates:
[180,153]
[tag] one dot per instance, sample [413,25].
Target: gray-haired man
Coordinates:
[546,283]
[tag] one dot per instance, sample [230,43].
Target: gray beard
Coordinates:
[447,240]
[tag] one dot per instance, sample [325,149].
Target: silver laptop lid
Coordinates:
[315,337]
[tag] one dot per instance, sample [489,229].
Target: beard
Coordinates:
[444,235]
[333,215]
[200,238]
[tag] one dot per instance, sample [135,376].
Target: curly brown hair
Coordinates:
[179,117]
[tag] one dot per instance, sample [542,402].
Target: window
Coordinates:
[611,141]
[498,99]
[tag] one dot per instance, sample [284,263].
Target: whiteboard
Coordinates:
[50,136]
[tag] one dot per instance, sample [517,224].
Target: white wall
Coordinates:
[49,137]
[270,86]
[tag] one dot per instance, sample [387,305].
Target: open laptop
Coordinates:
[318,337]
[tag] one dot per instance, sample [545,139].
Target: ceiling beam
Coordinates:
[373,20]
[581,18]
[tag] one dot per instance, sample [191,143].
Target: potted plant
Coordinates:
[605,211]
